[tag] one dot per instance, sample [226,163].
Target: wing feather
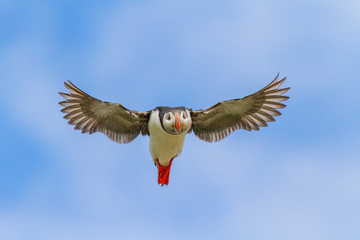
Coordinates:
[248,113]
[91,115]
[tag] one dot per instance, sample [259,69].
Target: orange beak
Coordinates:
[178,122]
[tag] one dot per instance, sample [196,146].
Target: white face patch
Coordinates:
[174,120]
[169,123]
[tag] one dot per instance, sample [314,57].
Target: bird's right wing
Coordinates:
[91,115]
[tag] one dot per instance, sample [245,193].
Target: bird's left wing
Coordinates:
[91,115]
[248,113]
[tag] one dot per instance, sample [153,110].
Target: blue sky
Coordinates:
[297,179]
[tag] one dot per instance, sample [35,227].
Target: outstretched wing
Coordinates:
[91,115]
[248,113]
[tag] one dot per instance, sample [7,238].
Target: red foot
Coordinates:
[163,172]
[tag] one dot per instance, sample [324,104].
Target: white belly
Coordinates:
[163,146]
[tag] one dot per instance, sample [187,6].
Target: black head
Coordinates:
[174,120]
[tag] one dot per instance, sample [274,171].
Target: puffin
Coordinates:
[168,126]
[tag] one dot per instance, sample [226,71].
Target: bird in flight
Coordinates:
[167,126]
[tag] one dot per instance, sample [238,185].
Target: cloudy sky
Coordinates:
[297,179]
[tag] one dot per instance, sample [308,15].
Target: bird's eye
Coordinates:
[184,115]
[168,117]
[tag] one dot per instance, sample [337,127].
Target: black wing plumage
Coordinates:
[248,113]
[91,115]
